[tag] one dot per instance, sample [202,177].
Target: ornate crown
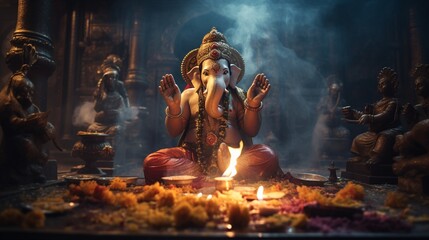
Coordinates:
[112,61]
[390,75]
[214,46]
[19,78]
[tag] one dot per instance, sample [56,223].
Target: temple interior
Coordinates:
[298,44]
[306,48]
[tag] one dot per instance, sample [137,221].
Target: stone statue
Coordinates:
[25,128]
[413,145]
[111,99]
[412,115]
[211,115]
[329,124]
[376,145]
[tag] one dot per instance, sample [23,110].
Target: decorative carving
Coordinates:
[376,145]
[91,148]
[33,27]
[25,127]
[412,164]
[373,149]
[111,98]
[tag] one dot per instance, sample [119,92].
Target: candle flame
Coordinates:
[199,195]
[260,193]
[209,197]
[235,153]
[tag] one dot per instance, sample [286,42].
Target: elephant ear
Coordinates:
[194,75]
[235,73]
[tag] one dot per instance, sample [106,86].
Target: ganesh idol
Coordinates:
[212,115]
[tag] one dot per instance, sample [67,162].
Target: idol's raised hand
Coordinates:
[258,90]
[170,91]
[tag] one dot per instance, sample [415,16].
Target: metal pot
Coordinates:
[91,148]
[308,179]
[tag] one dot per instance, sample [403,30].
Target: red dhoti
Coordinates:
[255,163]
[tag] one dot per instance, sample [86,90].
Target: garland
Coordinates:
[205,160]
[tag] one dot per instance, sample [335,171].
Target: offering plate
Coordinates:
[309,179]
[179,180]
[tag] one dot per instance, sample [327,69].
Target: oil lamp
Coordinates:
[225,182]
[265,209]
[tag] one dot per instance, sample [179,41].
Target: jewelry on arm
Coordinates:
[167,113]
[253,109]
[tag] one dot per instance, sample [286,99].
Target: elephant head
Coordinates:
[215,66]
[215,77]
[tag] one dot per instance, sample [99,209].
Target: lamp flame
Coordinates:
[235,153]
[260,193]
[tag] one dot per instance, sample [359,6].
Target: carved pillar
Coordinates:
[135,81]
[34,27]
[415,37]
[72,73]
[131,150]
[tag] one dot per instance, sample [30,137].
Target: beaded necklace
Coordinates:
[208,162]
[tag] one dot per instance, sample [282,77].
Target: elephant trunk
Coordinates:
[213,105]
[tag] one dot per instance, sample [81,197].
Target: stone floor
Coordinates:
[375,196]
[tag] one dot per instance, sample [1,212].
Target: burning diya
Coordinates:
[262,206]
[225,182]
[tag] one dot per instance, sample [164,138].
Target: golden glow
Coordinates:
[231,171]
[260,193]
